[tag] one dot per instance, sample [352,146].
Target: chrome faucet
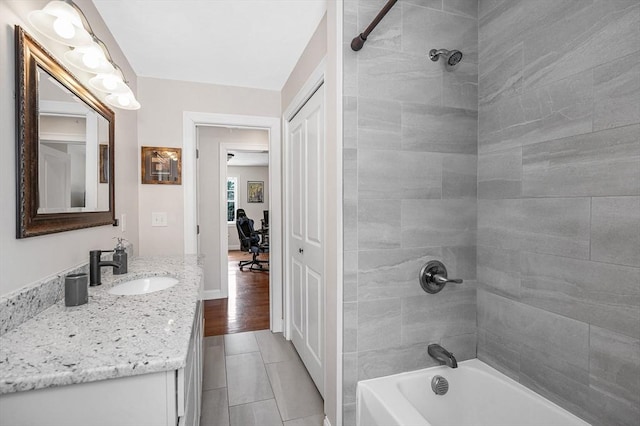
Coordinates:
[95,266]
[441,354]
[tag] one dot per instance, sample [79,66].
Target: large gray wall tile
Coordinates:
[596,293]
[388,34]
[556,226]
[501,77]
[617,93]
[594,33]
[460,87]
[561,382]
[386,274]
[615,230]
[440,29]
[614,376]
[459,176]
[384,362]
[350,224]
[432,128]
[448,313]
[500,174]
[564,341]
[379,324]
[428,223]
[500,270]
[500,353]
[350,327]
[379,124]
[558,123]
[461,7]
[602,163]
[350,174]
[397,76]
[561,109]
[498,223]
[380,174]
[463,346]
[350,279]
[350,379]
[379,224]
[350,126]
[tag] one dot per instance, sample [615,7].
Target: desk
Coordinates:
[264,232]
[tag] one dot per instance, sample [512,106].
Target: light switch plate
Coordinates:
[159,219]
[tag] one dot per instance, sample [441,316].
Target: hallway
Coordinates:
[257,379]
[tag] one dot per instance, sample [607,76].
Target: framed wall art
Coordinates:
[103,167]
[255,192]
[161,165]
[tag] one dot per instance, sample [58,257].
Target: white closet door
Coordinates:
[306,235]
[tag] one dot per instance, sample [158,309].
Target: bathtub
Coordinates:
[478,395]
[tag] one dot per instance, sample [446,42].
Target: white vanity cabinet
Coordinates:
[163,398]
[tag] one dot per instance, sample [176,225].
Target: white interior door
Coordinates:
[306,235]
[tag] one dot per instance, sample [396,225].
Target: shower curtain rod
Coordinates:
[358,41]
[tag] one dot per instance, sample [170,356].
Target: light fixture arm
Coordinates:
[103,46]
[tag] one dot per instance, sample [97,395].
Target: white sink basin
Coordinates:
[143,286]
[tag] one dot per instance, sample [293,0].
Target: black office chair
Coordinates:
[250,242]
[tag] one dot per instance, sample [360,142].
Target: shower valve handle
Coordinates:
[433,277]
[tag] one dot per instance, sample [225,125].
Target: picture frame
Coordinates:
[255,191]
[161,165]
[103,166]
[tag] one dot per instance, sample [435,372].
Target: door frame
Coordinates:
[315,81]
[189,175]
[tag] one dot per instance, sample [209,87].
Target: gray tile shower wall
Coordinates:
[410,167]
[558,255]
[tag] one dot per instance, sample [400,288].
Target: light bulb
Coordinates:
[110,82]
[124,100]
[91,60]
[64,28]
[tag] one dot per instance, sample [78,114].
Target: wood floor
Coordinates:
[246,308]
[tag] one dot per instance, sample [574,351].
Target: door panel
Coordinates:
[297,295]
[305,234]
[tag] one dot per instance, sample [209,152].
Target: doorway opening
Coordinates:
[199,134]
[241,267]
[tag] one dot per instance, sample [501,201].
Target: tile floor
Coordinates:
[257,379]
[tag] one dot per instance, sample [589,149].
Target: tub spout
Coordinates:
[441,354]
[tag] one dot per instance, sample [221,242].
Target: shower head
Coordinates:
[452,56]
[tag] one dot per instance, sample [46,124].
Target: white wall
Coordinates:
[253,210]
[314,52]
[28,260]
[160,124]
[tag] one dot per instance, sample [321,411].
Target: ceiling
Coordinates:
[249,43]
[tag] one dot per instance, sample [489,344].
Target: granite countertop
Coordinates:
[109,337]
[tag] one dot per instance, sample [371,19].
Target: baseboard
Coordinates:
[326,421]
[234,247]
[212,294]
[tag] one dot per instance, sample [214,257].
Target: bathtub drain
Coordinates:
[440,385]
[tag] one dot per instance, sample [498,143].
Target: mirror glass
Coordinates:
[70,134]
[64,147]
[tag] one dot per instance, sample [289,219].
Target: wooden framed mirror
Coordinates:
[63,181]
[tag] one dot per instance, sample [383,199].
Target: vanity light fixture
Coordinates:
[64,22]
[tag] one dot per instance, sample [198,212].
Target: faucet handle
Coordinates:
[433,277]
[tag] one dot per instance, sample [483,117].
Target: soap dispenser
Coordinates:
[120,256]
